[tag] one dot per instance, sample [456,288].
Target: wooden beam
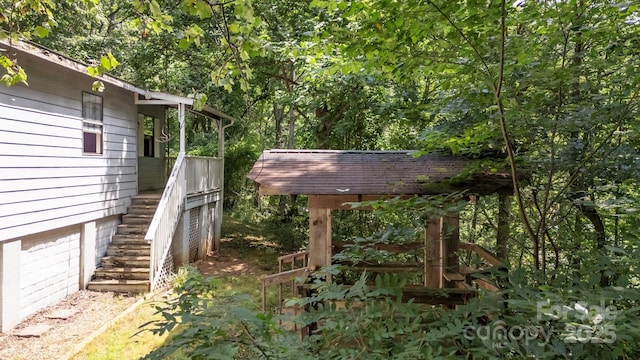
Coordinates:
[285,276]
[450,226]
[453,277]
[395,248]
[319,237]
[482,252]
[487,285]
[387,267]
[302,255]
[433,255]
[338,201]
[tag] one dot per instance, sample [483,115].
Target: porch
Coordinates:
[177,226]
[127,264]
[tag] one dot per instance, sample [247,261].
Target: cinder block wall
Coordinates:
[50,268]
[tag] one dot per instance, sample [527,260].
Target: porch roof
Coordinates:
[345,172]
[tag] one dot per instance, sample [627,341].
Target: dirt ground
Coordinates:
[94,309]
[230,262]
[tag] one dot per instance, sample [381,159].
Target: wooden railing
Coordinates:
[165,220]
[290,267]
[203,174]
[487,256]
[482,252]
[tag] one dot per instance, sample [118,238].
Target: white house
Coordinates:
[72,162]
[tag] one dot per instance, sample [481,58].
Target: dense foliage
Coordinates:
[360,323]
[547,87]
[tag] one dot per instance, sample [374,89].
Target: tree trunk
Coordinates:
[504,205]
[278,115]
[590,212]
[291,144]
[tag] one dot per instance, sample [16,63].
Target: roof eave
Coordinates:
[150,97]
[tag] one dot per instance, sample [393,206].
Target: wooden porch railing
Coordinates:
[289,267]
[165,221]
[203,174]
[190,175]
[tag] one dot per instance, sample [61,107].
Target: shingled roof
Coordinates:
[346,172]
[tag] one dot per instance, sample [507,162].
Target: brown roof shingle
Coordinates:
[335,172]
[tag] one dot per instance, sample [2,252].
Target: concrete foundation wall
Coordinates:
[50,268]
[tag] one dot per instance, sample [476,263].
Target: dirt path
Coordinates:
[87,311]
[230,262]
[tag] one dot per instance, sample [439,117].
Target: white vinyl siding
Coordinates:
[45,180]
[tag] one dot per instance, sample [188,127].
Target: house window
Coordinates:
[149,136]
[92,125]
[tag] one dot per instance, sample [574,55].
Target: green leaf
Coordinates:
[41,31]
[105,63]
[155,8]
[112,60]
[93,71]
[97,86]
[184,44]
[234,28]
[203,10]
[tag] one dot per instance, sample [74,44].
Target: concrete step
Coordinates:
[128,250]
[122,273]
[145,201]
[135,219]
[142,209]
[123,239]
[123,286]
[127,229]
[126,261]
[139,246]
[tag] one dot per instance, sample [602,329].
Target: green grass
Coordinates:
[119,343]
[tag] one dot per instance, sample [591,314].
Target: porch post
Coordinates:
[204,231]
[319,234]
[433,260]
[217,230]
[450,239]
[181,122]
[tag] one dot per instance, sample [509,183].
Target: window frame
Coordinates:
[92,125]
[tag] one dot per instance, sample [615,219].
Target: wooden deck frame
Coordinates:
[442,236]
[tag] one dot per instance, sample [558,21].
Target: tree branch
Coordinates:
[505,136]
[462,35]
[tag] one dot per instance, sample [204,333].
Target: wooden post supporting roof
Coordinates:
[319,233]
[442,237]
[433,255]
[450,231]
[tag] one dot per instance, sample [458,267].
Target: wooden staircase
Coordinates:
[125,268]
